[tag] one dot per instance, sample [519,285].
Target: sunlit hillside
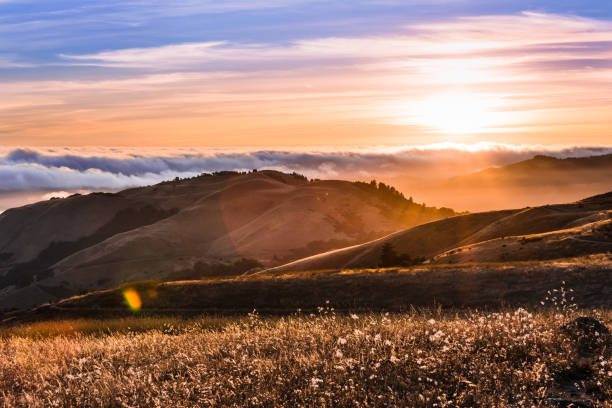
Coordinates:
[225,223]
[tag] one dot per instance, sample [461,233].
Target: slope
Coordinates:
[176,229]
[548,232]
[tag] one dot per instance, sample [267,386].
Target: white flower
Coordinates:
[314,382]
[341,341]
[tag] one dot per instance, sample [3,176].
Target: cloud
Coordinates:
[9,61]
[552,36]
[548,86]
[111,169]
[356,89]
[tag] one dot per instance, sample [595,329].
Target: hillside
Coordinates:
[534,182]
[184,229]
[548,232]
[387,289]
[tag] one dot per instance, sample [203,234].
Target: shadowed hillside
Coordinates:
[224,223]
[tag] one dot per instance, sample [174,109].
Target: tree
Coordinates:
[388,256]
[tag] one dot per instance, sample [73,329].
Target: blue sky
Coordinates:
[37,32]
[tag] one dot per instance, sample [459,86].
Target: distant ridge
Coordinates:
[534,182]
[543,168]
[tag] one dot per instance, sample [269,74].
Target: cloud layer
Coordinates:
[111,169]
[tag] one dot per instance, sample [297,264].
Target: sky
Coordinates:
[106,95]
[286,73]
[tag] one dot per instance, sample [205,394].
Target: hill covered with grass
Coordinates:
[532,233]
[488,286]
[224,223]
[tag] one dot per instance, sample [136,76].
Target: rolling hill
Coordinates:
[490,259]
[539,233]
[534,182]
[227,221]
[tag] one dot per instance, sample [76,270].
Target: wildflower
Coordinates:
[314,382]
[341,341]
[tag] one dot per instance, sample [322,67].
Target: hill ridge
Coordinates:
[557,223]
[184,227]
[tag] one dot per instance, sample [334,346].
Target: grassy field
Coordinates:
[383,290]
[427,358]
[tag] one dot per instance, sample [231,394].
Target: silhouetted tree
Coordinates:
[388,257]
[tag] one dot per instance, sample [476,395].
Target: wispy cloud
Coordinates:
[9,61]
[553,37]
[550,84]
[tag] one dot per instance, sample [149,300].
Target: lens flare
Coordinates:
[132,299]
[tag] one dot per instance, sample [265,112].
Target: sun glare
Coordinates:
[455,113]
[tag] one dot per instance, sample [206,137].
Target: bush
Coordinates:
[388,258]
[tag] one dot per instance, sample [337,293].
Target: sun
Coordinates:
[455,113]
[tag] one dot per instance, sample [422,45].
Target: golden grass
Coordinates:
[416,359]
[104,327]
[387,289]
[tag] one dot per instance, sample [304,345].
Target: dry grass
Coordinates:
[416,359]
[385,290]
[108,327]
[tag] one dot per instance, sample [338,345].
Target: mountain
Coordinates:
[226,223]
[538,181]
[539,233]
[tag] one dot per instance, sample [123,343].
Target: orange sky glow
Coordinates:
[517,79]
